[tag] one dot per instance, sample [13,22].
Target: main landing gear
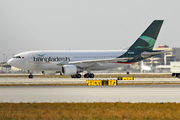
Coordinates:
[87,75]
[76,76]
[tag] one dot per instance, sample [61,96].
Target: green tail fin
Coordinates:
[147,40]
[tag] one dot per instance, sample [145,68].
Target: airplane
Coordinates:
[144,68]
[73,62]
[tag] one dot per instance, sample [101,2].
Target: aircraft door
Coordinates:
[30,57]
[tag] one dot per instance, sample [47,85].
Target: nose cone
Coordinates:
[10,62]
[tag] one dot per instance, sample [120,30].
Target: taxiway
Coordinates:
[82,80]
[76,94]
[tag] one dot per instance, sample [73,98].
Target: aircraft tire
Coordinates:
[91,75]
[30,76]
[78,75]
[86,75]
[73,76]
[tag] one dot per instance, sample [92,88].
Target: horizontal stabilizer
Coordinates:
[153,53]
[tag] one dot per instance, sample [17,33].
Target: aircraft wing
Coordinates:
[88,63]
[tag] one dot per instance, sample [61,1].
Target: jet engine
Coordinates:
[70,69]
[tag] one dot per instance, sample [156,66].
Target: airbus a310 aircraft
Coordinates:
[73,62]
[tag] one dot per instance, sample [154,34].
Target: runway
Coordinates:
[84,94]
[82,80]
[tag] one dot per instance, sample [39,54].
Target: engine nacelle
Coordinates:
[48,72]
[70,69]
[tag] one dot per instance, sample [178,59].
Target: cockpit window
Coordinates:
[17,57]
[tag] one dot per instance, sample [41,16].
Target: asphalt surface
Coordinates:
[86,94]
[82,80]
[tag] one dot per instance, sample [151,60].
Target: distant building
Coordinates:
[161,62]
[164,59]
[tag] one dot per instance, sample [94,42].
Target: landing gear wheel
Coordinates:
[78,75]
[86,75]
[91,75]
[30,76]
[73,76]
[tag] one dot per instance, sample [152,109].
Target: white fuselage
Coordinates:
[48,60]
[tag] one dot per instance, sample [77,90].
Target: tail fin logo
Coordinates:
[150,42]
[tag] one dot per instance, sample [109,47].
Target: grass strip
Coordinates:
[92,111]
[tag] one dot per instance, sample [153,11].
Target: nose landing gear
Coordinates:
[30,75]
